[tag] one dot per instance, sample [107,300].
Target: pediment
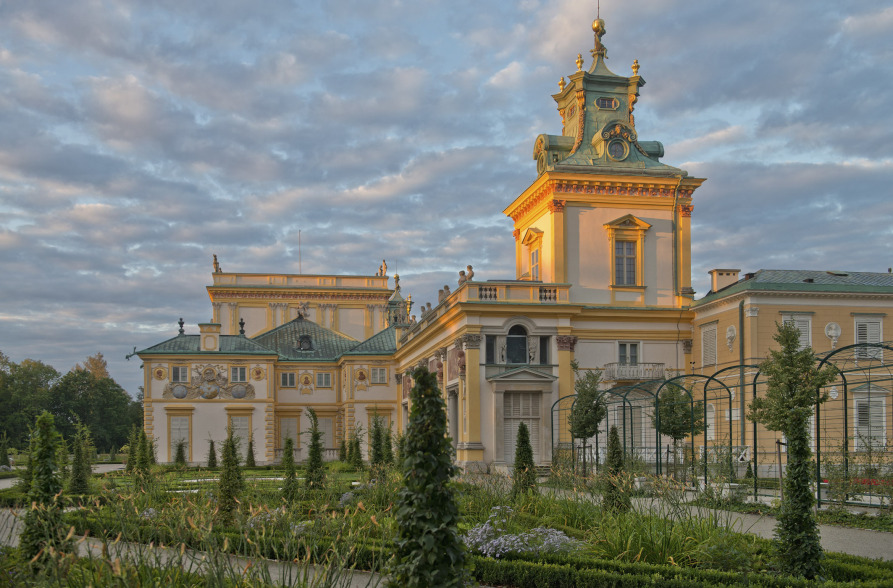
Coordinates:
[522,374]
[628,221]
[531,236]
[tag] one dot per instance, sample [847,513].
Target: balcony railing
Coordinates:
[330,454]
[514,291]
[634,371]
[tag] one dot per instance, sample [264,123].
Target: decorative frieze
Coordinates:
[471,341]
[566,342]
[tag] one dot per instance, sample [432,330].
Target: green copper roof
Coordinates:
[807,281]
[382,343]
[230,344]
[325,344]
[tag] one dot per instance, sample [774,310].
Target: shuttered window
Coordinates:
[871,430]
[708,345]
[868,330]
[521,407]
[803,324]
[179,432]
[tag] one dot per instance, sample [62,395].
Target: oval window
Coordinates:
[609,103]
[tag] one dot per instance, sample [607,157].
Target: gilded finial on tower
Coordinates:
[635,67]
[561,84]
[598,27]
[579,61]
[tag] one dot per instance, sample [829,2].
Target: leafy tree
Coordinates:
[96,365]
[316,473]
[231,482]
[4,450]
[79,479]
[679,417]
[249,454]
[794,388]
[212,454]
[614,497]
[589,408]
[24,395]
[342,451]
[180,455]
[428,550]
[524,472]
[43,524]
[290,485]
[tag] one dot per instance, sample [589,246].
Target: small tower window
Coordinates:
[607,103]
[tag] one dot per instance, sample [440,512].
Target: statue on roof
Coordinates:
[216,265]
[383,269]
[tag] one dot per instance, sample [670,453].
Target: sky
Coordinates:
[139,138]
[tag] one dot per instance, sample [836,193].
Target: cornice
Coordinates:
[302,296]
[739,296]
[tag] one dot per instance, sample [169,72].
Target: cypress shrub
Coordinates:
[614,498]
[79,480]
[180,455]
[428,550]
[387,450]
[316,473]
[212,454]
[132,450]
[230,483]
[375,441]
[342,451]
[28,473]
[355,451]
[249,455]
[43,524]
[113,456]
[524,472]
[290,485]
[4,450]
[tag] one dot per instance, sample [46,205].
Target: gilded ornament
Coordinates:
[561,84]
[635,67]
[579,62]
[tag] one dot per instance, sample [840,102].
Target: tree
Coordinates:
[794,388]
[230,483]
[249,454]
[387,450]
[316,473]
[614,498]
[180,454]
[4,450]
[524,472]
[43,524]
[96,365]
[133,450]
[677,417]
[428,550]
[79,479]
[290,484]
[342,451]
[589,408]
[24,395]
[212,454]
[354,450]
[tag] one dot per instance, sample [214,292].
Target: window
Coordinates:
[606,103]
[379,375]
[708,345]
[544,350]
[179,432]
[535,264]
[238,374]
[490,348]
[288,429]
[625,263]
[327,428]
[868,330]
[241,426]
[323,380]
[803,322]
[521,407]
[179,373]
[287,380]
[629,353]
[516,345]
[870,426]
[710,428]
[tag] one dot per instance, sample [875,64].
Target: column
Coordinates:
[233,318]
[559,245]
[471,451]
[566,344]
[215,317]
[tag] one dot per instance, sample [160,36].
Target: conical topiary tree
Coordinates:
[43,524]
[212,454]
[355,450]
[230,484]
[180,455]
[249,455]
[133,444]
[28,473]
[428,550]
[290,482]
[316,473]
[342,451]
[79,478]
[614,497]
[524,471]
[387,450]
[4,450]
[376,459]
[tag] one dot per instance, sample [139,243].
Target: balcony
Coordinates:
[515,291]
[633,371]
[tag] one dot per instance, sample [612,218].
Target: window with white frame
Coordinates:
[624,263]
[323,380]
[179,373]
[179,433]
[238,374]
[868,330]
[708,345]
[379,375]
[535,264]
[521,407]
[241,427]
[628,353]
[287,380]
[870,423]
[288,429]
[803,323]
[327,428]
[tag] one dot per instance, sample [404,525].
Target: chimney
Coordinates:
[210,336]
[720,278]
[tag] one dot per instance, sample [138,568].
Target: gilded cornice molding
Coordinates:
[382,297]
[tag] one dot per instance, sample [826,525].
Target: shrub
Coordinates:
[428,551]
[376,459]
[180,455]
[132,450]
[231,482]
[290,484]
[387,450]
[316,473]
[79,480]
[249,455]
[342,451]
[4,450]
[355,451]
[614,498]
[524,472]
[212,454]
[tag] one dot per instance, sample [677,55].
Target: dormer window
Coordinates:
[305,343]
[516,345]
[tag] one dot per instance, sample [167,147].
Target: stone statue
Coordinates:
[462,277]
[440,296]
[216,265]
[469,274]
[446,291]
[383,268]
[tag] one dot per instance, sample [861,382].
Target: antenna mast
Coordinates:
[300,264]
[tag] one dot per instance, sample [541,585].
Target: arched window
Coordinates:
[516,345]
